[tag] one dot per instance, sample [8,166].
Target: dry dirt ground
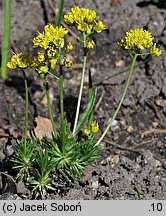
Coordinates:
[134,156]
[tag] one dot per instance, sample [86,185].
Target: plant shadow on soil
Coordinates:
[160,4]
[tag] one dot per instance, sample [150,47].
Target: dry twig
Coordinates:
[124,148]
[152,131]
[100,100]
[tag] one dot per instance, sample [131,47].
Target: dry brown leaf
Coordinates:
[43,128]
[114,2]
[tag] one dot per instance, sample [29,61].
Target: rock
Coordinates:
[2,156]
[9,150]
[95,184]
[9,196]
[130,129]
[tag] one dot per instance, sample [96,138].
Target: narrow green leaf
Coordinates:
[50,187]
[34,182]
[87,111]
[59,16]
[6,38]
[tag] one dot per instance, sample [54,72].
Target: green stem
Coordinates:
[121,100]
[6,37]
[121,72]
[60,9]
[81,85]
[49,105]
[62,105]
[26,107]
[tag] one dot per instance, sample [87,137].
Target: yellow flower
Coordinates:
[84,19]
[68,63]
[60,31]
[78,14]
[90,45]
[87,132]
[95,127]
[100,26]
[59,42]
[53,63]
[140,38]
[83,27]
[69,18]
[91,15]
[42,71]
[154,51]
[21,60]
[49,30]
[41,57]
[11,65]
[40,41]
[52,36]
[13,62]
[51,52]
[69,47]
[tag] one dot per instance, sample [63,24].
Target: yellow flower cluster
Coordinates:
[22,60]
[94,128]
[51,37]
[139,39]
[43,64]
[85,20]
[51,40]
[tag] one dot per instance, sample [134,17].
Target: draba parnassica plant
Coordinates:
[65,154]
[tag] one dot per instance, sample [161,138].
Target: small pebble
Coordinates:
[130,129]
[37,95]
[114,125]
[123,123]
[9,150]
[95,184]
[119,63]
[155,124]
[115,137]
[2,156]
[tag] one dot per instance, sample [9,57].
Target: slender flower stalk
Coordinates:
[101,82]
[49,105]
[81,84]
[26,107]
[136,41]
[121,100]
[61,104]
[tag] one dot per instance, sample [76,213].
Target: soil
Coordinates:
[133,164]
